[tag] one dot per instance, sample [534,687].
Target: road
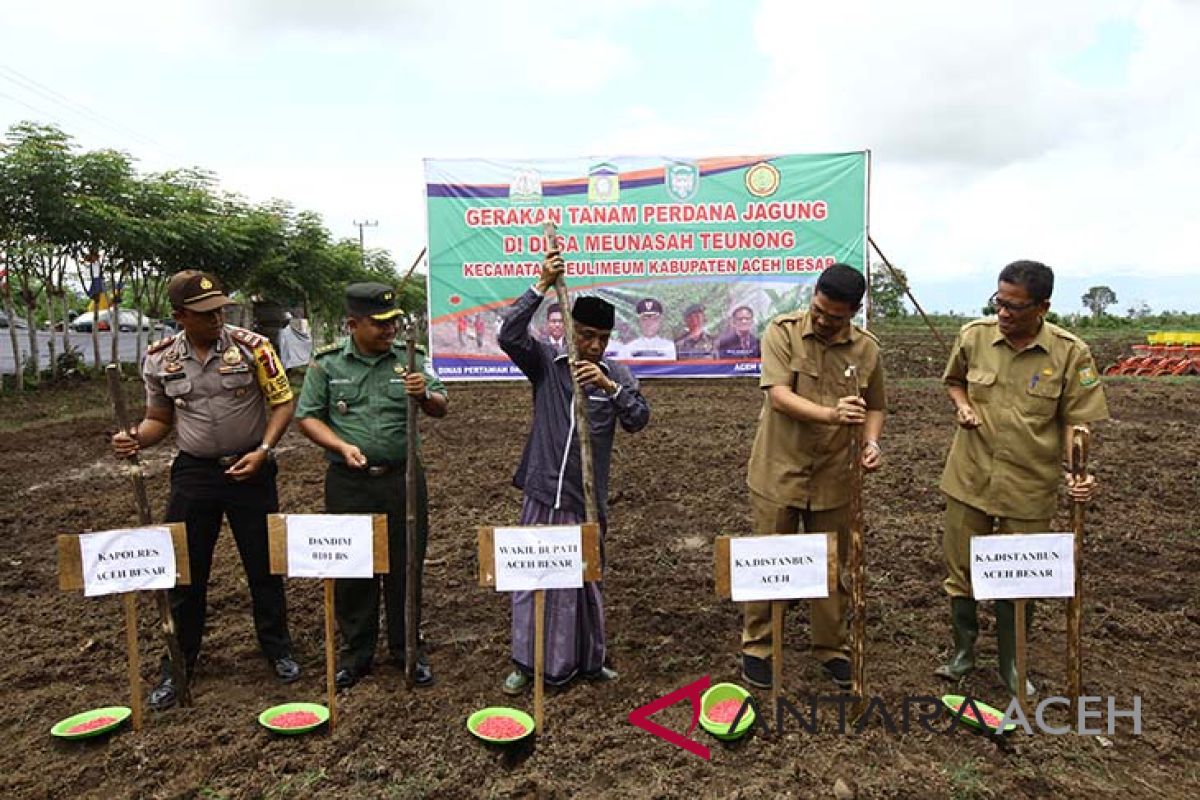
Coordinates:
[79,341]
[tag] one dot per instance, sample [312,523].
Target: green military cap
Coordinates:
[373,300]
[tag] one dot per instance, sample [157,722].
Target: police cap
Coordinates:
[196,291]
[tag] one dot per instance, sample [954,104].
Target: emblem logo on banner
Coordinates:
[762,180]
[604,184]
[526,187]
[682,180]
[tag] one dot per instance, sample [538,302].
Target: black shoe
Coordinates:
[422,672]
[602,675]
[756,671]
[164,695]
[286,669]
[346,677]
[838,670]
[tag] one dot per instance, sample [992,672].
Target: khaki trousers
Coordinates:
[963,522]
[830,634]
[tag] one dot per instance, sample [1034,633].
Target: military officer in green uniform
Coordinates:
[1018,384]
[354,405]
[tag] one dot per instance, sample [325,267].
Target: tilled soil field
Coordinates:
[676,486]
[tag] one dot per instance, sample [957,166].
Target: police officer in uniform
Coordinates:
[800,458]
[227,394]
[1018,383]
[354,405]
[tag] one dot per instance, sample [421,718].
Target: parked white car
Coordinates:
[129,319]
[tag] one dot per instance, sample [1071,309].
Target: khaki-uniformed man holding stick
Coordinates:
[1018,384]
[798,465]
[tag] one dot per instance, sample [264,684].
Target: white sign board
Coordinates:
[127,560]
[330,545]
[542,557]
[1016,565]
[779,567]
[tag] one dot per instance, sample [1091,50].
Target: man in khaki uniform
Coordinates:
[1018,384]
[799,464]
[228,396]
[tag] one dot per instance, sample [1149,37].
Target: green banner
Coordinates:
[698,253]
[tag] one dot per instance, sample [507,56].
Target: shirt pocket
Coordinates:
[345,398]
[397,391]
[1041,399]
[806,380]
[177,388]
[237,383]
[980,385]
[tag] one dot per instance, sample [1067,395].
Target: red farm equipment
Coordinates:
[1168,353]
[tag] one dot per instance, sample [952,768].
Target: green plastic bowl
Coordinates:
[955,701]
[479,716]
[716,694]
[321,711]
[118,713]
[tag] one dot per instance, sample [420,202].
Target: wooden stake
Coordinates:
[582,427]
[777,607]
[410,527]
[1079,456]
[1022,663]
[129,601]
[856,560]
[183,689]
[539,656]
[330,655]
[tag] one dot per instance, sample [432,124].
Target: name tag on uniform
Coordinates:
[173,376]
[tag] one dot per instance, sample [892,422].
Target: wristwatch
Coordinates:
[270,451]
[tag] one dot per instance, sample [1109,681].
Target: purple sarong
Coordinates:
[574,617]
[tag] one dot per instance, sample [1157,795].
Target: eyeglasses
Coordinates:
[743,319]
[1012,308]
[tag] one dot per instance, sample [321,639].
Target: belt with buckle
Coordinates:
[371,470]
[229,461]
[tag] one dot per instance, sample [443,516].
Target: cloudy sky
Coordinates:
[1065,131]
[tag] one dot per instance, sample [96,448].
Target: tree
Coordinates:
[1097,299]
[887,292]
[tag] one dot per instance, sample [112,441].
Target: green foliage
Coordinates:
[888,292]
[93,210]
[1098,298]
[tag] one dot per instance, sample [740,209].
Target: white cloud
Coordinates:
[986,147]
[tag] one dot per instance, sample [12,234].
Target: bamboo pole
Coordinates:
[582,426]
[1080,440]
[904,285]
[183,691]
[411,567]
[856,561]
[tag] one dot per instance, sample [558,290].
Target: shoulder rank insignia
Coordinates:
[248,338]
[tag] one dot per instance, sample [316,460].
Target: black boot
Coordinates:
[1006,645]
[965,625]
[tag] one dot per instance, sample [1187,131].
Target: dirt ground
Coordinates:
[676,486]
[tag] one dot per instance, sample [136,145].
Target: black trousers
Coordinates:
[200,496]
[356,600]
